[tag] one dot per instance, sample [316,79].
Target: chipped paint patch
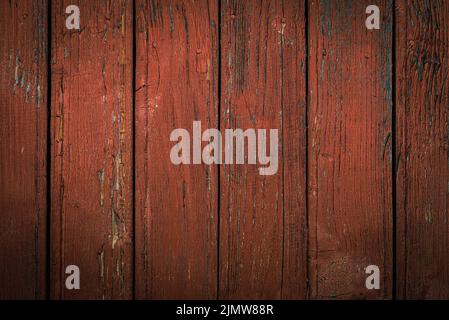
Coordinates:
[100,174]
[170,13]
[101,269]
[428,216]
[101,263]
[27,92]
[60,129]
[115,229]
[16,72]
[23,80]
[38,96]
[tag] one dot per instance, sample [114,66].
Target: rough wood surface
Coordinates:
[262,218]
[23,149]
[349,148]
[176,205]
[422,102]
[309,68]
[91,220]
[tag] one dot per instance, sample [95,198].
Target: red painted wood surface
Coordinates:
[349,149]
[91,118]
[23,149]
[262,218]
[176,205]
[310,69]
[422,101]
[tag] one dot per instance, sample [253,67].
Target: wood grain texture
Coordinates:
[176,205]
[91,221]
[349,147]
[23,149]
[262,218]
[309,68]
[422,102]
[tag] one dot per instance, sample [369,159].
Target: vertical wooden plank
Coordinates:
[92,150]
[293,103]
[176,205]
[262,217]
[350,95]
[23,149]
[422,102]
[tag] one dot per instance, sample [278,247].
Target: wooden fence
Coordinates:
[85,170]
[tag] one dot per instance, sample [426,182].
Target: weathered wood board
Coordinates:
[23,149]
[176,205]
[91,159]
[263,86]
[349,149]
[422,100]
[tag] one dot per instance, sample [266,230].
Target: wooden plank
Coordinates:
[349,147]
[422,149]
[294,145]
[91,220]
[23,149]
[262,217]
[176,205]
